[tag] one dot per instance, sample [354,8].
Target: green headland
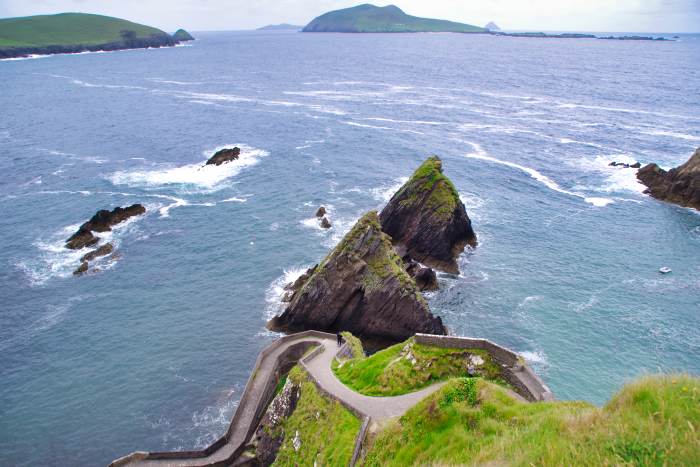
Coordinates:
[370,18]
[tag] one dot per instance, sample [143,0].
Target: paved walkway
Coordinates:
[378,408]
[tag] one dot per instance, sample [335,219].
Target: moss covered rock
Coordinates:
[361,287]
[427,220]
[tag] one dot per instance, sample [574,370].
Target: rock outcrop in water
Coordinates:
[102,221]
[224,155]
[680,185]
[426,219]
[182,36]
[425,278]
[361,287]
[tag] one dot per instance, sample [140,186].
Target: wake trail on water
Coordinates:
[480,154]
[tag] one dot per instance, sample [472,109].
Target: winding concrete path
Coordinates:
[319,367]
[378,408]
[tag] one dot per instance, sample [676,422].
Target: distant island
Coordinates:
[281,27]
[492,26]
[369,18]
[78,32]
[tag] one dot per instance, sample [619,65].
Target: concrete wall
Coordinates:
[516,372]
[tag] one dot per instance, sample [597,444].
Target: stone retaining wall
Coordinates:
[257,401]
[517,373]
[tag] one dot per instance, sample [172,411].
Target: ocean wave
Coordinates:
[196,177]
[179,83]
[234,200]
[374,127]
[416,122]
[672,134]
[213,421]
[616,179]
[537,357]
[480,154]
[530,299]
[28,57]
[275,291]
[385,192]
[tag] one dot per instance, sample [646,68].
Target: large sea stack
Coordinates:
[361,287]
[680,185]
[426,219]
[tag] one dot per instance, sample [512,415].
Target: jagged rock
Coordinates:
[427,220]
[224,155]
[636,165]
[680,185]
[425,278]
[321,212]
[82,269]
[270,434]
[325,223]
[360,287]
[102,221]
[104,250]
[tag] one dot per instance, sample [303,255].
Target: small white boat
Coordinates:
[665,270]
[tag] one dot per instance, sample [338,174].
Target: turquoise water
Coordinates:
[153,351]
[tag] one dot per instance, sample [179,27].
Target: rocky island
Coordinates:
[370,18]
[361,287]
[680,185]
[426,219]
[78,32]
[224,155]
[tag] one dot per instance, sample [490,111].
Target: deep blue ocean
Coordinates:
[152,352]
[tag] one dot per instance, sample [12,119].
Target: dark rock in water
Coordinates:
[426,279]
[680,185]
[82,269]
[104,250]
[321,212]
[182,36]
[270,432]
[101,222]
[325,223]
[361,287]
[636,165]
[223,156]
[427,220]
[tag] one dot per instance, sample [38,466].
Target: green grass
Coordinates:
[355,345]
[389,373]
[326,429]
[67,29]
[652,422]
[442,196]
[370,18]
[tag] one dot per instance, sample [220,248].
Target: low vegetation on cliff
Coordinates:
[654,421]
[408,367]
[320,431]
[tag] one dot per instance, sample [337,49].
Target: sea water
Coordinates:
[152,352]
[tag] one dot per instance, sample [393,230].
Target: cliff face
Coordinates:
[361,287]
[680,185]
[427,220]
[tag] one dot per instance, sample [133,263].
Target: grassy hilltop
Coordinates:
[475,420]
[370,18]
[76,32]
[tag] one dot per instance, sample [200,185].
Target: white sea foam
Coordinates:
[530,299]
[616,179]
[234,200]
[275,291]
[416,122]
[28,57]
[375,127]
[196,177]
[213,421]
[385,192]
[480,154]
[672,134]
[179,83]
[536,357]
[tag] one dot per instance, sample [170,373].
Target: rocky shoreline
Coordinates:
[680,185]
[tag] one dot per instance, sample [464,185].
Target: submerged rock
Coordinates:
[427,220]
[680,185]
[104,250]
[224,155]
[361,287]
[636,165]
[82,269]
[102,221]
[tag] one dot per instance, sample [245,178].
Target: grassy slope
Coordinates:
[67,29]
[327,430]
[428,177]
[386,374]
[654,421]
[369,18]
